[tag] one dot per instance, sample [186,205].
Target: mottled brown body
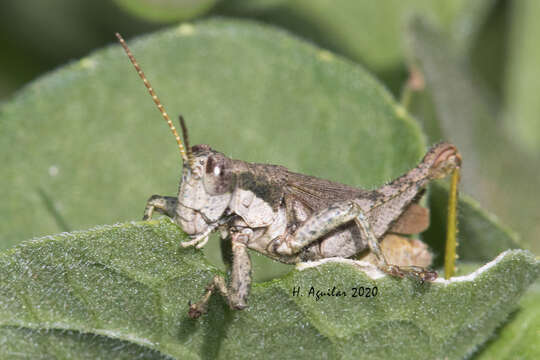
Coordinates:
[292,217]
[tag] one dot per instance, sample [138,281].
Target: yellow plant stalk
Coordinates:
[451,229]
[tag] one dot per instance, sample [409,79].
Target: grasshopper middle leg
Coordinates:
[237,292]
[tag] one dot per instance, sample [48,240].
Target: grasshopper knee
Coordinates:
[318,225]
[445,158]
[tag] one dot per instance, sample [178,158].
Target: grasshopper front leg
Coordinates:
[161,204]
[237,292]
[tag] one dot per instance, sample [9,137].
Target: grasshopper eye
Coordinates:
[212,166]
[218,179]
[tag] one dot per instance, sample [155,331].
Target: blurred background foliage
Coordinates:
[475,66]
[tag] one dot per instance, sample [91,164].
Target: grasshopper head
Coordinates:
[207,182]
[205,190]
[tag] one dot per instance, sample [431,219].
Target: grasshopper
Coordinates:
[291,217]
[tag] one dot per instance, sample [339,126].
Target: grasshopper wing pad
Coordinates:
[314,194]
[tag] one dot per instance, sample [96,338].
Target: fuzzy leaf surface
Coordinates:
[81,294]
[519,338]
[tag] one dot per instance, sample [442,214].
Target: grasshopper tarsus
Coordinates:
[235,294]
[193,312]
[414,272]
[430,275]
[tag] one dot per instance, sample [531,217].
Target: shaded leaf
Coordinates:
[365,31]
[494,171]
[488,53]
[480,236]
[61,30]
[523,77]
[84,283]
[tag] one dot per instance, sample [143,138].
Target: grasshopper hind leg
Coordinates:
[327,220]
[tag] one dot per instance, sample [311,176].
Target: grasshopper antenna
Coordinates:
[185,157]
[186,141]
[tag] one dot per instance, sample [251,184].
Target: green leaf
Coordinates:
[166,10]
[366,31]
[87,146]
[125,289]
